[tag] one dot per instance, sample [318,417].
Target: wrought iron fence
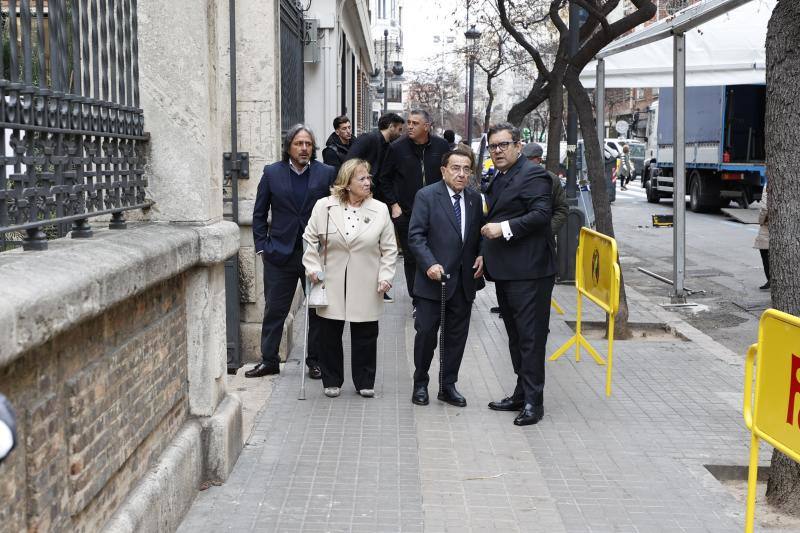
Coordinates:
[71,127]
[292,85]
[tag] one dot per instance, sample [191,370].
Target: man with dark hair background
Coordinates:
[338,143]
[372,147]
[289,188]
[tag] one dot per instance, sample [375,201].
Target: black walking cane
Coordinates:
[443,278]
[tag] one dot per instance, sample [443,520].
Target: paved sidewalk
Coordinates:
[633,462]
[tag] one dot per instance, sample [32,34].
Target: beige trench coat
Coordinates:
[354,268]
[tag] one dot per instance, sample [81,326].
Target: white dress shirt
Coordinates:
[452,193]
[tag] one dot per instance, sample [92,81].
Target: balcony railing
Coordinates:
[71,127]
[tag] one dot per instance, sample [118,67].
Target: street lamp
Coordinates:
[397,69]
[385,70]
[472,36]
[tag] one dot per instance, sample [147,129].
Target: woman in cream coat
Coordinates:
[361,255]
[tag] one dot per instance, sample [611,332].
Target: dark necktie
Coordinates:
[457,210]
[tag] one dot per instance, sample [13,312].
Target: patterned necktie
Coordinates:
[457,210]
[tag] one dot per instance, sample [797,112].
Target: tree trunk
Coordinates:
[597,180]
[554,126]
[783,177]
[486,120]
[536,96]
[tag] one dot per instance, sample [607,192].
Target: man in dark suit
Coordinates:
[289,188]
[413,161]
[519,256]
[444,236]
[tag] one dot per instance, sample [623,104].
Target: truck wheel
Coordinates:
[746,199]
[651,192]
[694,194]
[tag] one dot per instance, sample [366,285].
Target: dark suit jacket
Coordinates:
[434,237]
[372,148]
[277,240]
[522,197]
[401,174]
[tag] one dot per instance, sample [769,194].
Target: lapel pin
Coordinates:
[366,220]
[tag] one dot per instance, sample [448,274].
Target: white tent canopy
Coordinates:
[726,50]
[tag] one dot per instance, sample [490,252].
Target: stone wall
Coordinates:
[97,405]
[113,354]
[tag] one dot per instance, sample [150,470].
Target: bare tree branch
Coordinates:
[521,40]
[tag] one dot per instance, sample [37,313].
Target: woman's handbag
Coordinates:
[317,295]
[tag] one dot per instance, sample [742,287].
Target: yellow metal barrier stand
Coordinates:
[747,411]
[777,385]
[578,339]
[611,317]
[554,305]
[609,307]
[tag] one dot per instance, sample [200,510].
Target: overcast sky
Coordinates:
[422,19]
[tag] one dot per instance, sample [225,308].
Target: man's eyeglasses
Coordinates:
[456,170]
[502,146]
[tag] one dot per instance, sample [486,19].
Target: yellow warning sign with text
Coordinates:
[597,276]
[772,413]
[599,271]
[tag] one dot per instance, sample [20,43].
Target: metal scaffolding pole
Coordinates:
[679,172]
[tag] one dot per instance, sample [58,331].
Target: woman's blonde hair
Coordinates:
[346,173]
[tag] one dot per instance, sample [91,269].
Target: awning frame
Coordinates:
[676,27]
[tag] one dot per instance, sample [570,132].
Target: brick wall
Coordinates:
[96,407]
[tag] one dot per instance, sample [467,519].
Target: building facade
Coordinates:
[337,78]
[387,36]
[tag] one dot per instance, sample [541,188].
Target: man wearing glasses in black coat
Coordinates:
[519,256]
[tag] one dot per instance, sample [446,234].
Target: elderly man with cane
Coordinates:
[444,236]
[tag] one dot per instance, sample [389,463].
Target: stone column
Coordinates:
[185,91]
[259,128]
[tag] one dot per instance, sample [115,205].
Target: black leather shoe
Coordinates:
[314,372]
[263,370]
[506,404]
[529,415]
[450,395]
[420,395]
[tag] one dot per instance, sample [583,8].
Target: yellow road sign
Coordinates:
[597,276]
[598,280]
[773,413]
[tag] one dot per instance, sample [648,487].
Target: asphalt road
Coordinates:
[720,259]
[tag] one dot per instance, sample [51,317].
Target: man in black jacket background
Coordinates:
[412,162]
[338,143]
